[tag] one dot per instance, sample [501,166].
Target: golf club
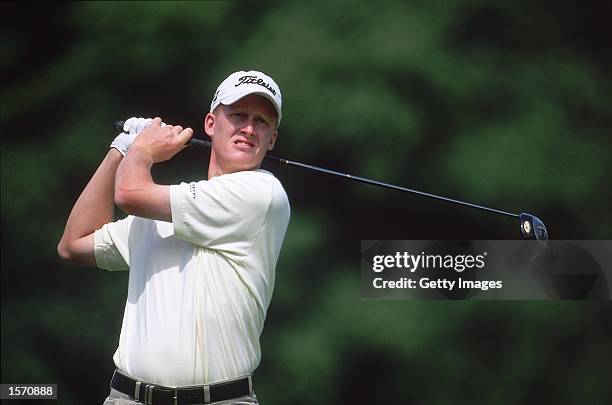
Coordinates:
[532,228]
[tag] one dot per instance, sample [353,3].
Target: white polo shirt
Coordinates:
[199,287]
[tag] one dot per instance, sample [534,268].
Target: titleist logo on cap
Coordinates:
[255,80]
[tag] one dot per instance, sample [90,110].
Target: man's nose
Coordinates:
[249,127]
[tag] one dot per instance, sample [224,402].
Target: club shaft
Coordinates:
[285,162]
[390,186]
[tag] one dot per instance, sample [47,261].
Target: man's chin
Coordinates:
[246,158]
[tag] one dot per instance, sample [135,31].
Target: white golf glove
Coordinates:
[131,127]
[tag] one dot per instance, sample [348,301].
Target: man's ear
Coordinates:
[272,140]
[209,124]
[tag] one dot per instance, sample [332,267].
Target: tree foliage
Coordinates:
[501,103]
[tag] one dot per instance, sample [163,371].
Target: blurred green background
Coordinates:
[507,104]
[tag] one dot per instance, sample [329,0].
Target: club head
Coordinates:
[534,229]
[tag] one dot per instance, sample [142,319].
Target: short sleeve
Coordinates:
[111,247]
[226,213]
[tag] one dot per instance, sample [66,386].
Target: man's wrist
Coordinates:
[115,153]
[139,154]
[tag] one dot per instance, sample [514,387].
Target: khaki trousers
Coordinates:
[117,398]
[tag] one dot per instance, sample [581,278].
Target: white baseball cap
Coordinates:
[240,84]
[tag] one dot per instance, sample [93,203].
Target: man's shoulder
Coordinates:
[256,178]
[256,185]
[259,174]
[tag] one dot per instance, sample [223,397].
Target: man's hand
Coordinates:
[132,127]
[161,143]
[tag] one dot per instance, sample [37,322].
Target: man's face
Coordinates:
[241,133]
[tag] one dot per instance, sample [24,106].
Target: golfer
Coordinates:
[201,255]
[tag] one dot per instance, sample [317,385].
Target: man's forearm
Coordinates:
[135,191]
[95,205]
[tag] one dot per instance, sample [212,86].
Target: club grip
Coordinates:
[118,126]
[200,143]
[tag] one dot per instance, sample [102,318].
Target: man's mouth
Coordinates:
[243,143]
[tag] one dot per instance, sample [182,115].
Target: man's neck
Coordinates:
[215,170]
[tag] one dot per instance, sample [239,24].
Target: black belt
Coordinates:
[199,394]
